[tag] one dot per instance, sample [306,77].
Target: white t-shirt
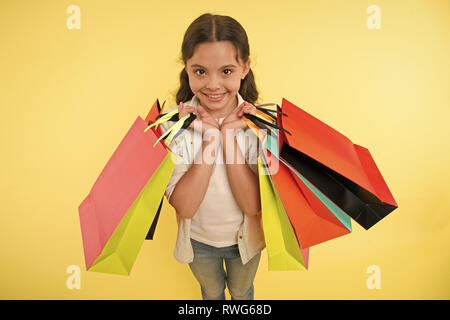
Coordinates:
[219,218]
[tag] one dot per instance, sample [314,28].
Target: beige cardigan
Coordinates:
[250,235]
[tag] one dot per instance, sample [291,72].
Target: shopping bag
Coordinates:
[283,250]
[314,218]
[311,219]
[151,117]
[153,114]
[343,171]
[122,204]
[326,212]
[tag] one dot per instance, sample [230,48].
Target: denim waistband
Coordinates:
[202,250]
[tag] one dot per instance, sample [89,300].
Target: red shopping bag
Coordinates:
[342,170]
[312,221]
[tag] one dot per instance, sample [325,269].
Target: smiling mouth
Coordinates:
[214,96]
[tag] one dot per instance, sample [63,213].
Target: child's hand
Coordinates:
[184,110]
[204,122]
[234,120]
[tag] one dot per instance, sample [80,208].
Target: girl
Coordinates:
[214,187]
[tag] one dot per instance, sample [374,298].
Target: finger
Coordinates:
[180,110]
[189,109]
[186,107]
[248,106]
[250,109]
[202,111]
[242,105]
[184,110]
[239,110]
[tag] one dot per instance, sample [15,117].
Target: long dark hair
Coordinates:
[210,28]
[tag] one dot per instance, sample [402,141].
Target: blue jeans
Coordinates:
[208,269]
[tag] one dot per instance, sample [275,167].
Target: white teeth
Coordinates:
[214,97]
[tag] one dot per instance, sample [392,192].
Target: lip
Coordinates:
[215,99]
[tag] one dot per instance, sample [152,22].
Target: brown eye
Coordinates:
[199,70]
[228,70]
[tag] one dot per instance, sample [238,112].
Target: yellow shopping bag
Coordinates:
[283,250]
[122,248]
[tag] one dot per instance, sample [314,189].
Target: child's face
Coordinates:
[213,70]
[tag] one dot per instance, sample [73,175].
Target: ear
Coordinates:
[246,69]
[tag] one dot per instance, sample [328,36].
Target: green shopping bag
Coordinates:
[284,252]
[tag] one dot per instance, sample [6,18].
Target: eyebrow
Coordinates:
[226,66]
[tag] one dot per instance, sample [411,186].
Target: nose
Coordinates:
[213,83]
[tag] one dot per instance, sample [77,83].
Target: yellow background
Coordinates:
[69,96]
